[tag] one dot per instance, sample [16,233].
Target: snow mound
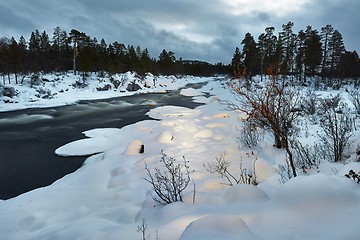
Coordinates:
[100,140]
[190,92]
[217,227]
[204,133]
[244,193]
[173,112]
[263,170]
[165,137]
[135,147]
[311,207]
[84,147]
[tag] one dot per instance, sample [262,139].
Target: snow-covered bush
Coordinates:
[170,182]
[9,92]
[44,93]
[80,84]
[35,79]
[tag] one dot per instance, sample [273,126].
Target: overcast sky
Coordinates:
[206,30]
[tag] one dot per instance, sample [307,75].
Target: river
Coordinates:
[28,138]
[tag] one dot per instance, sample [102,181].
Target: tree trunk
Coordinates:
[278,142]
[291,160]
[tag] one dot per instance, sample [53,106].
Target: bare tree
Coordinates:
[274,106]
[170,182]
[337,125]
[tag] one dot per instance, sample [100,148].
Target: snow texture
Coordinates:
[108,198]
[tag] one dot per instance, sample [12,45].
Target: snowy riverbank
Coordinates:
[50,90]
[108,197]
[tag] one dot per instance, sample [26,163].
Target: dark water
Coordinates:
[28,138]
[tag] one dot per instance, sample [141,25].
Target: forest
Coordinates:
[76,50]
[308,53]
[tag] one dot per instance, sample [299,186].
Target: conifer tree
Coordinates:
[236,63]
[300,56]
[326,34]
[167,61]
[287,41]
[249,55]
[336,49]
[313,51]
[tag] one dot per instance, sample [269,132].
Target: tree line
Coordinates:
[308,53]
[78,51]
[300,55]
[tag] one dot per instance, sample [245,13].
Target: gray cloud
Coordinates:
[11,22]
[202,29]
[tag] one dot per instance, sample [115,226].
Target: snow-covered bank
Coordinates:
[51,90]
[108,198]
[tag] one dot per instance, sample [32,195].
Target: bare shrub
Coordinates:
[330,103]
[250,135]
[306,157]
[221,167]
[285,172]
[337,125]
[170,182]
[310,102]
[142,229]
[355,99]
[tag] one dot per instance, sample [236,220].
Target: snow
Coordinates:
[63,90]
[107,198]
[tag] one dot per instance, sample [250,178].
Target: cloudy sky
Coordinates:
[206,30]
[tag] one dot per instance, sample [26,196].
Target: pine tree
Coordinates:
[236,63]
[145,61]
[34,42]
[326,33]
[74,37]
[167,61]
[336,49]
[102,55]
[350,65]
[60,48]
[120,54]
[267,46]
[249,55]
[300,56]
[287,41]
[313,51]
